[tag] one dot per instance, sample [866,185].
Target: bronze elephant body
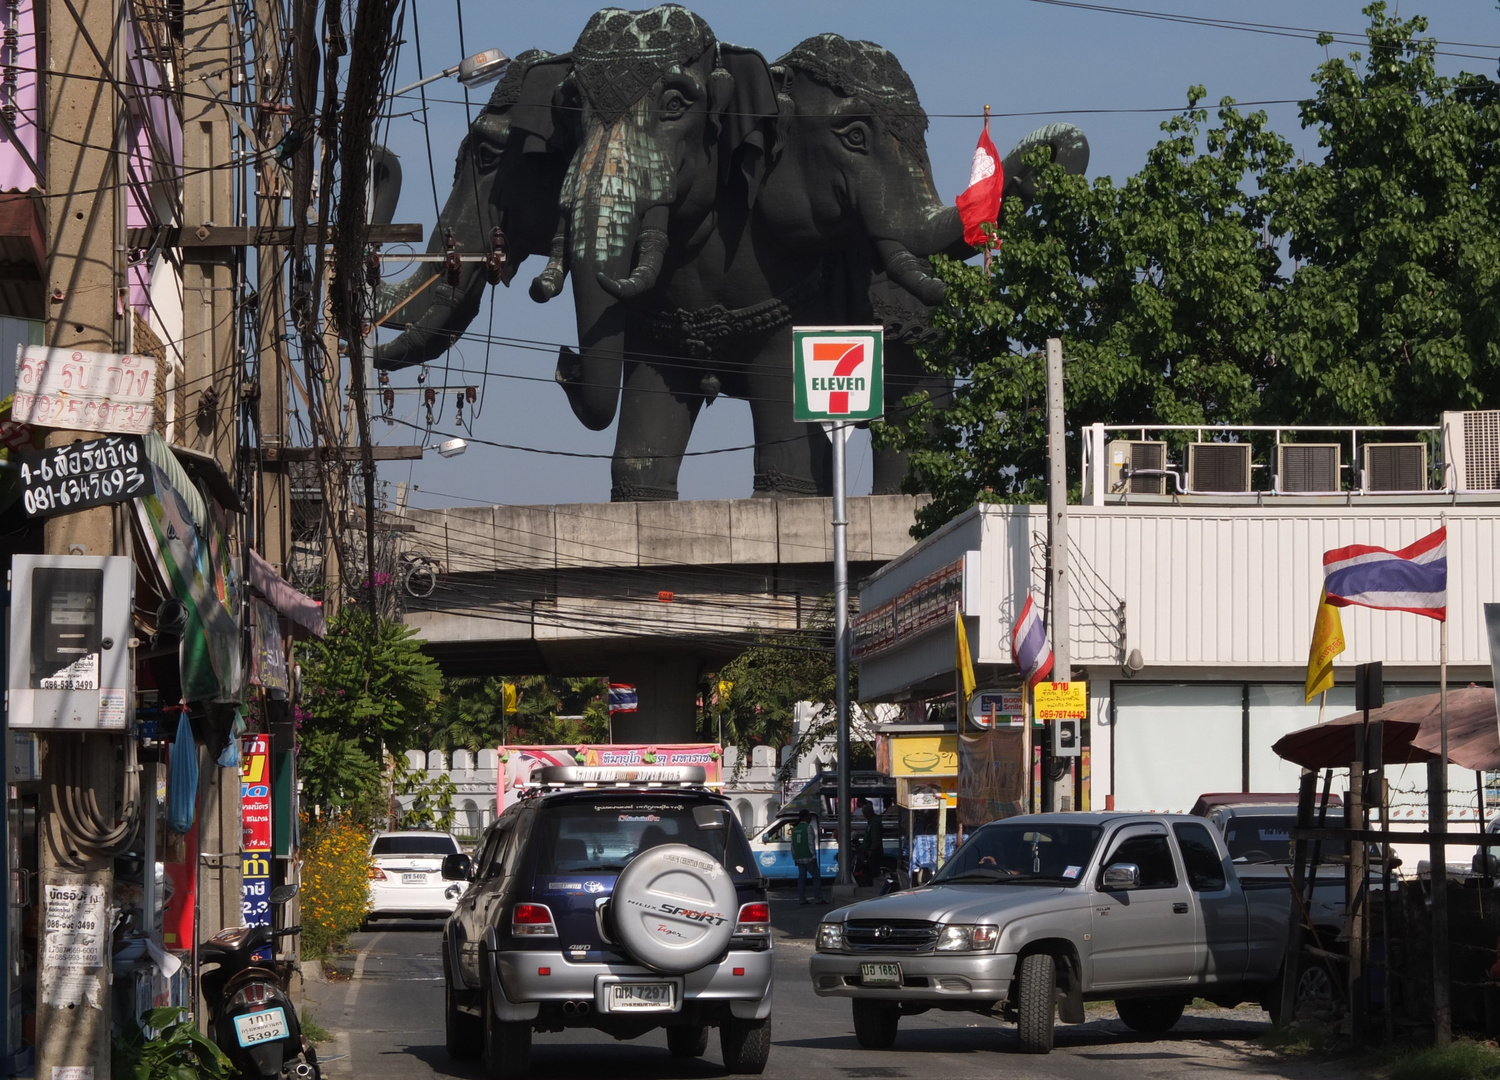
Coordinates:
[709,201]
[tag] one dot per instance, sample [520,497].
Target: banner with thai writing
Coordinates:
[83,390]
[255,792]
[517,763]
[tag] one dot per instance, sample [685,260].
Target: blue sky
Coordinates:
[1018,56]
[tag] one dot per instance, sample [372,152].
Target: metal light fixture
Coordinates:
[477,70]
[452,448]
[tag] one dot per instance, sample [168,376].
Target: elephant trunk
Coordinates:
[650,249]
[591,376]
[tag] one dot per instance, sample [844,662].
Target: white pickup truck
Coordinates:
[1035,915]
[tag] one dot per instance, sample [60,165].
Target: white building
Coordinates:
[1217,592]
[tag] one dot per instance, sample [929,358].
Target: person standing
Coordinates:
[805,855]
[872,849]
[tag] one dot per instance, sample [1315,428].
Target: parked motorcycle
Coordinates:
[250,1009]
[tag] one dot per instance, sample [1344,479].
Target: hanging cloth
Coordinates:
[229,758]
[182,785]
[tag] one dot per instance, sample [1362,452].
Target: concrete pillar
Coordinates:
[666,685]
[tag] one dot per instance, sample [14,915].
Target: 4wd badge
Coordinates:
[838,373]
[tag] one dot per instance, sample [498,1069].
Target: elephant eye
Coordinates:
[855,136]
[673,103]
[487,156]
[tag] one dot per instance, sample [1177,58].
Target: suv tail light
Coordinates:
[754,920]
[532,920]
[377,874]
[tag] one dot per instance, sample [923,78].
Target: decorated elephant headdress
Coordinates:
[865,70]
[621,54]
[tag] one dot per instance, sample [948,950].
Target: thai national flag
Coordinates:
[1029,645]
[1413,579]
[622,697]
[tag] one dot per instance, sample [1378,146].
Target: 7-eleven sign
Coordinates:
[838,373]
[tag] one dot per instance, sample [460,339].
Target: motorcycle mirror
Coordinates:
[283,893]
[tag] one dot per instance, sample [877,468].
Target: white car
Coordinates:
[406,879]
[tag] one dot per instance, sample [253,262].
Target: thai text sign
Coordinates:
[84,474]
[87,391]
[1062,701]
[921,607]
[517,763]
[838,373]
[924,755]
[255,792]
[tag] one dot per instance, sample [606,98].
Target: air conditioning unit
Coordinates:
[1137,455]
[1395,466]
[1216,467]
[1472,444]
[1308,468]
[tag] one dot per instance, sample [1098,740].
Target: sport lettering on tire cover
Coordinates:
[674,908]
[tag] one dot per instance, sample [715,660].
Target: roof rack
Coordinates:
[620,776]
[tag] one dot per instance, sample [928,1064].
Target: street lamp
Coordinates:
[452,448]
[477,70]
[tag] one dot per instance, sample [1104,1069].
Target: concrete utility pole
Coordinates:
[210,395]
[1057,545]
[85,238]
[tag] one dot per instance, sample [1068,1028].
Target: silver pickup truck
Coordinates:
[1035,915]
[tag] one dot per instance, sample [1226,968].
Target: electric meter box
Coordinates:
[70,626]
[1067,738]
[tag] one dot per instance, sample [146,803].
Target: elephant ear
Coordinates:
[748,132]
[535,114]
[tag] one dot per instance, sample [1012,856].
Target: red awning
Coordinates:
[1412,733]
[299,607]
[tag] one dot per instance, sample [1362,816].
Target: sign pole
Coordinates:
[838,434]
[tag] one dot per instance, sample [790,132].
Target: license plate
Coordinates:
[641,997]
[880,974]
[414,879]
[260,1027]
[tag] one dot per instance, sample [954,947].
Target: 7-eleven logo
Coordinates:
[838,375]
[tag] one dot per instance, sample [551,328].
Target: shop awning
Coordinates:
[299,607]
[1412,733]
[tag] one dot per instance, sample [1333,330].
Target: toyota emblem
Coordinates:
[882,931]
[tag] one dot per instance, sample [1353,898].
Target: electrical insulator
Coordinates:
[385,378]
[430,395]
[458,408]
[494,261]
[451,260]
[471,394]
[389,397]
[372,269]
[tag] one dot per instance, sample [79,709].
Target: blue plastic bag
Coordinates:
[182,779]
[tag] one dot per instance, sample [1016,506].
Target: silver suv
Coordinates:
[621,900]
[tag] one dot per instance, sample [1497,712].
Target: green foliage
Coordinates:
[550,710]
[335,882]
[363,696]
[1227,283]
[432,797]
[166,1045]
[1462,1060]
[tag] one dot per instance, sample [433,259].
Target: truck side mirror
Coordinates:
[1122,875]
[922,876]
[458,867]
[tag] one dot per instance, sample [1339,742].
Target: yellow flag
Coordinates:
[1327,642]
[510,697]
[964,663]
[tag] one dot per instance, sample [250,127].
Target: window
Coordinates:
[602,837]
[1153,854]
[1204,870]
[1009,854]
[489,863]
[414,845]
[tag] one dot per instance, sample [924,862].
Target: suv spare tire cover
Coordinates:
[674,908]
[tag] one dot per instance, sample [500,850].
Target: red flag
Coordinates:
[980,202]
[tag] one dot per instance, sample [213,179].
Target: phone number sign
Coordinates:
[83,474]
[1061,700]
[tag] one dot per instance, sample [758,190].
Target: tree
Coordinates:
[1393,313]
[363,696]
[1162,290]
[550,710]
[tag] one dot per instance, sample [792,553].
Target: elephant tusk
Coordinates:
[651,247]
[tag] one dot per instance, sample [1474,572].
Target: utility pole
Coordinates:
[839,435]
[209,351]
[85,238]
[1057,546]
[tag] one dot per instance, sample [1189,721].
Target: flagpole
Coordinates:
[1437,827]
[1322,705]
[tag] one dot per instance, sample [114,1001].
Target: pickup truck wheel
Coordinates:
[875,1023]
[507,1045]
[687,1042]
[745,1044]
[1037,1004]
[465,1033]
[1150,1015]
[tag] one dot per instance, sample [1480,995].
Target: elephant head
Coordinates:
[663,109]
[508,177]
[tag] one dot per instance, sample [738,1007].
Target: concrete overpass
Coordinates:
[652,594]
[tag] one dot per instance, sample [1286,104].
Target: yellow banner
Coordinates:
[924,755]
[1061,701]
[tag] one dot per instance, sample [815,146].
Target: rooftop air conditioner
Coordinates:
[1215,467]
[1472,445]
[1308,468]
[1395,467]
[1137,455]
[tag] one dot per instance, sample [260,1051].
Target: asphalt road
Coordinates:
[386,1020]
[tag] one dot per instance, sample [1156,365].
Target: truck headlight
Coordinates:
[830,937]
[965,937]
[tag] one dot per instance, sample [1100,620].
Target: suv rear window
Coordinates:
[414,845]
[604,836]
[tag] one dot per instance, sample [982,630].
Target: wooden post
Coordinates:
[1292,965]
